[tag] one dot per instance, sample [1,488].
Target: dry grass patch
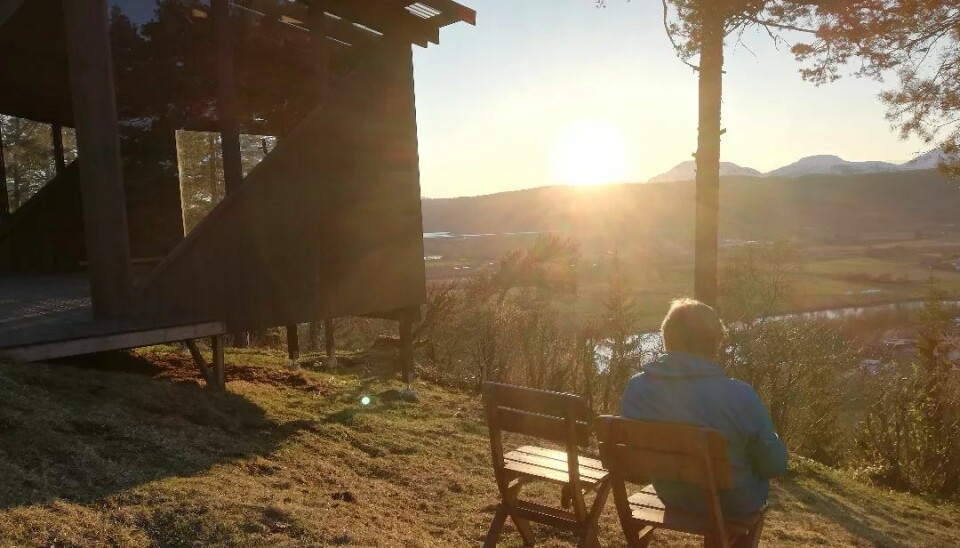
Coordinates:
[94,457]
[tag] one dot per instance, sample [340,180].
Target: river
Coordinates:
[651,342]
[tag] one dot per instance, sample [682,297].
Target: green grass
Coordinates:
[138,454]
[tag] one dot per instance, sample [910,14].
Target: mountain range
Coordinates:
[811,165]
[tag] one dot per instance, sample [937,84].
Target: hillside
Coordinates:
[144,457]
[751,208]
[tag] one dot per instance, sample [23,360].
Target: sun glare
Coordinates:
[589,153]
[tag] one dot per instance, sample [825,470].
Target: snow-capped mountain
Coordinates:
[830,165]
[687,171]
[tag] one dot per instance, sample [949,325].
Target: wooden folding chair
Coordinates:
[642,452]
[561,418]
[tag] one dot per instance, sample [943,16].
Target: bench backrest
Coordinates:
[644,452]
[554,416]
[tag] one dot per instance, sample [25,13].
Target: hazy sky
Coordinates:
[543,92]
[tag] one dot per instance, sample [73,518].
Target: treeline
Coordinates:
[27,158]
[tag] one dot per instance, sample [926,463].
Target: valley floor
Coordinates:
[137,454]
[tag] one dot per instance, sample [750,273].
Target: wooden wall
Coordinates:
[46,233]
[329,224]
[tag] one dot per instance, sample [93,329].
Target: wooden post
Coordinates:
[708,153]
[228,112]
[328,332]
[57,137]
[406,347]
[98,150]
[219,370]
[4,197]
[293,344]
[228,106]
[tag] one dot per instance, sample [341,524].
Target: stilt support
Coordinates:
[329,343]
[406,347]
[213,374]
[293,345]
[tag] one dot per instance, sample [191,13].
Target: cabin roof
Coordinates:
[33,67]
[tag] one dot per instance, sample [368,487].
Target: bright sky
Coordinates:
[546,92]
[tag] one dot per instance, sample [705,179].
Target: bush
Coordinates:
[910,437]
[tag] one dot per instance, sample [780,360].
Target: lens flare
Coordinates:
[365,400]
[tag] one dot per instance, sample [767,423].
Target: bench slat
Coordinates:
[585,462]
[586,474]
[542,402]
[647,507]
[540,426]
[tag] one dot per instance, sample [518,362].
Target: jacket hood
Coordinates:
[679,365]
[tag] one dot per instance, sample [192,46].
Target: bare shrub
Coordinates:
[910,436]
[801,368]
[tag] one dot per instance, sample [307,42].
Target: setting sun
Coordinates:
[589,153]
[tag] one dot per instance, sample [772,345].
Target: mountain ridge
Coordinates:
[819,164]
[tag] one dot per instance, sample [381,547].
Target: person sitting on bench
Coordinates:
[686,385]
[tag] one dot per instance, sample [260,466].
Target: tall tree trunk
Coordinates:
[15,162]
[708,153]
[4,197]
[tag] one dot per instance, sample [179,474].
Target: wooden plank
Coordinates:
[547,515]
[651,510]
[101,180]
[561,456]
[543,402]
[119,341]
[396,23]
[450,11]
[589,474]
[219,369]
[541,426]
[650,465]
[293,342]
[297,13]
[329,332]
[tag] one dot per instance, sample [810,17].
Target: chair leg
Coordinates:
[526,532]
[590,538]
[496,527]
[751,539]
[640,537]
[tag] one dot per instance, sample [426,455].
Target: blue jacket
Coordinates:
[689,389]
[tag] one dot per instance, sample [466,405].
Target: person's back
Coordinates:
[687,386]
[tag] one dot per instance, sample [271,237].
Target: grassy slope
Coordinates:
[96,457]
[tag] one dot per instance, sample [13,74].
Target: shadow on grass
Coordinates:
[864,523]
[67,433]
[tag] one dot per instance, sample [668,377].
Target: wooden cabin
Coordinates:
[328,223]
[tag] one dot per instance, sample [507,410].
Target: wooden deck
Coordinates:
[47,317]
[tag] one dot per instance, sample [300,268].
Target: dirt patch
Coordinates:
[181,368]
[277,377]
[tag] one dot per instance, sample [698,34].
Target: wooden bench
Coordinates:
[642,452]
[560,418]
